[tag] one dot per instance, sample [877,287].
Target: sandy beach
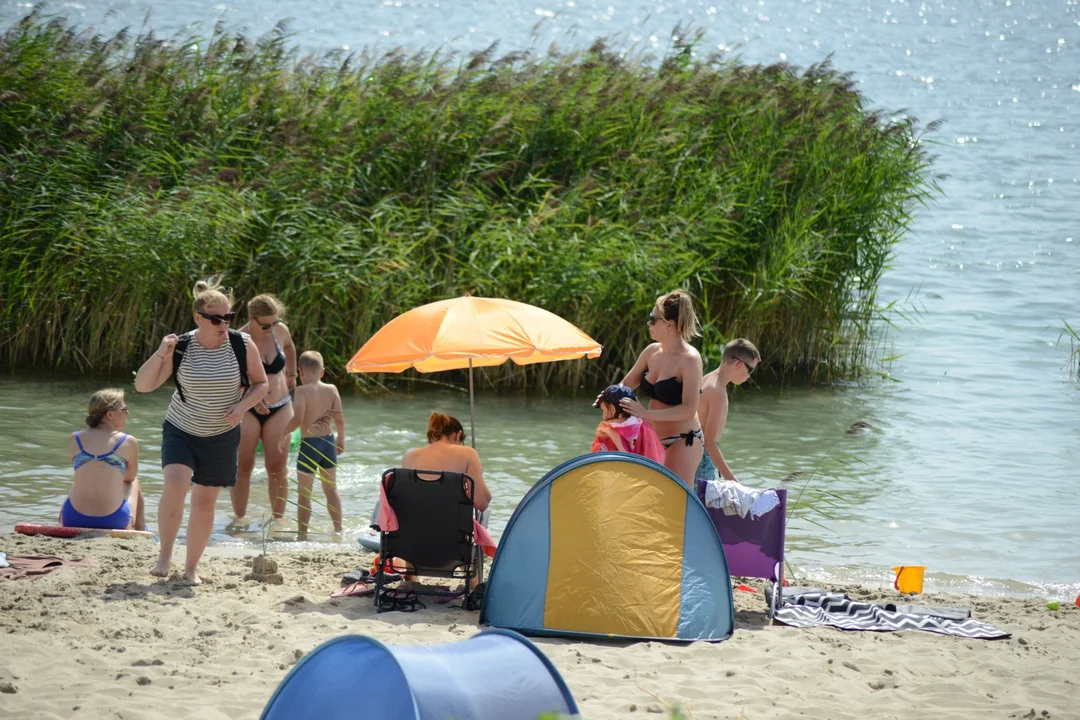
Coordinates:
[107,640]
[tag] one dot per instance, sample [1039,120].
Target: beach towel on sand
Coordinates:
[837,610]
[30,566]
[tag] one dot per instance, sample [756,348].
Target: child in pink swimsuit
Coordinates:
[621,432]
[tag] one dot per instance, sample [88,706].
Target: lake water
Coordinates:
[971,464]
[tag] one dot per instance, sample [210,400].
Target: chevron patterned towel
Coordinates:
[837,610]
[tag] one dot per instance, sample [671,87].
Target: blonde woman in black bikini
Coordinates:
[268,419]
[669,372]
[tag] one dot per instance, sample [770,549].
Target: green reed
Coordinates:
[1074,344]
[358,186]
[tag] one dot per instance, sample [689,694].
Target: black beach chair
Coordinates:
[435,534]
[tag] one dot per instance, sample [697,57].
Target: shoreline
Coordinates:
[108,639]
[870,578]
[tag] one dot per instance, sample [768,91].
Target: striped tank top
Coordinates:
[211,382]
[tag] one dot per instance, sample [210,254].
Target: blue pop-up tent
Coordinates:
[495,675]
[611,545]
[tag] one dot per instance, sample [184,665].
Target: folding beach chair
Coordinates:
[434,512]
[753,547]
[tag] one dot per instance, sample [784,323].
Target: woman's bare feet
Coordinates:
[192,577]
[238,522]
[161,569]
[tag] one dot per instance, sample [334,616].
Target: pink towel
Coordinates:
[483,539]
[355,590]
[387,518]
[637,434]
[388,523]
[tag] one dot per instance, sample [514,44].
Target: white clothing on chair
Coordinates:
[736,499]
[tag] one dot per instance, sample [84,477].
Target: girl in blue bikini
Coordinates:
[106,462]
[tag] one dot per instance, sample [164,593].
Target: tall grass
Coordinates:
[358,186]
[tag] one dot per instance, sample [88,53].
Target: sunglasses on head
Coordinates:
[267,326]
[218,319]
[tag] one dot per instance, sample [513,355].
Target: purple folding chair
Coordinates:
[753,547]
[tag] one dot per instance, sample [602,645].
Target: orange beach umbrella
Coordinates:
[468,332]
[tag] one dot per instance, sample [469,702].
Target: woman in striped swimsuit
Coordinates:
[201,432]
[267,420]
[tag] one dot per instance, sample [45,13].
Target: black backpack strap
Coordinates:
[178,356]
[236,339]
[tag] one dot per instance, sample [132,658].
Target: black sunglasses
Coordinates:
[653,319]
[267,326]
[218,319]
[749,368]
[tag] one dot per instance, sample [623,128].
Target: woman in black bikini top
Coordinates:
[667,391]
[267,420]
[276,365]
[673,406]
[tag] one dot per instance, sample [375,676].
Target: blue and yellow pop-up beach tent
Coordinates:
[611,545]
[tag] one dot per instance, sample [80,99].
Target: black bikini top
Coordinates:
[667,391]
[278,363]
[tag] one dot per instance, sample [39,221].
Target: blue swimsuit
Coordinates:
[119,520]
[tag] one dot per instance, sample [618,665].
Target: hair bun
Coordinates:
[442,425]
[200,287]
[101,403]
[436,424]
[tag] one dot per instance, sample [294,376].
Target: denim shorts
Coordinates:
[212,459]
[316,452]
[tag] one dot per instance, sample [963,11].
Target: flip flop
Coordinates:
[357,575]
[357,589]
[401,601]
[364,575]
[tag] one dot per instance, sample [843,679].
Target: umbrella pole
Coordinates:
[472,409]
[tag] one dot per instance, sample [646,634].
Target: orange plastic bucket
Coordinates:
[909,578]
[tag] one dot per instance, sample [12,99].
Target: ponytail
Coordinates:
[678,307]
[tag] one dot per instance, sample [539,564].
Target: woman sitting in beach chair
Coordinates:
[446,451]
[437,488]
